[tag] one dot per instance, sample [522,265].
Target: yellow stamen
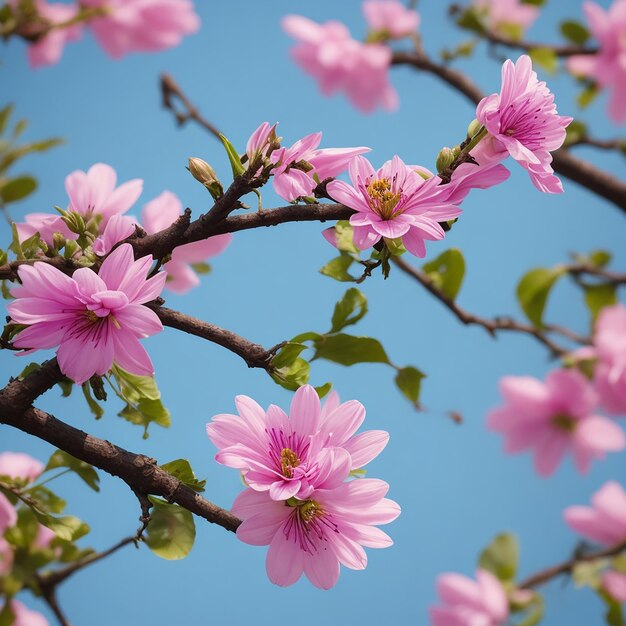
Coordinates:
[288,461]
[382,200]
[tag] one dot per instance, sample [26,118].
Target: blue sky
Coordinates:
[456,487]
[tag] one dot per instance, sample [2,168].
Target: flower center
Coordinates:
[288,461]
[565,423]
[382,199]
[309,510]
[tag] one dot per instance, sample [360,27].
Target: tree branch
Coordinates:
[567,50]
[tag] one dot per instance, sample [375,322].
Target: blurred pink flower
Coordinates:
[48,49]
[467,602]
[553,417]
[162,212]
[8,515]
[610,350]
[318,534]
[95,319]
[142,25]
[607,68]
[20,465]
[313,447]
[390,17]
[394,202]
[614,583]
[522,121]
[24,616]
[339,63]
[508,13]
[6,554]
[298,165]
[605,521]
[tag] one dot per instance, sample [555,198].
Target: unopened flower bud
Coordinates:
[71,248]
[206,175]
[445,158]
[58,241]
[74,221]
[473,128]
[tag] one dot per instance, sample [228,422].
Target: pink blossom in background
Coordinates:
[6,554]
[390,17]
[318,534]
[522,122]
[95,319]
[26,617]
[48,49]
[314,447]
[162,212]
[142,25]
[20,465]
[467,602]
[553,417]
[8,515]
[610,350]
[504,14]
[393,202]
[607,68]
[297,166]
[605,521]
[614,583]
[339,63]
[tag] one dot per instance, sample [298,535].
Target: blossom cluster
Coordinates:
[549,419]
[300,500]
[119,26]
[510,18]
[19,466]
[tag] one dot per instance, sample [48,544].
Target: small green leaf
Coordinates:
[344,236]
[96,410]
[349,310]
[575,132]
[233,157]
[409,381]
[545,58]
[575,32]
[536,3]
[588,573]
[29,369]
[471,20]
[19,128]
[171,531]
[67,527]
[181,469]
[533,291]
[292,377]
[7,617]
[600,258]
[288,354]
[587,95]
[534,613]
[447,272]
[338,267]
[85,471]
[348,349]
[501,557]
[599,296]
[511,30]
[5,113]
[614,615]
[201,268]
[46,500]
[322,390]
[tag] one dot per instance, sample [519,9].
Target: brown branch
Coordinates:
[50,597]
[581,269]
[546,575]
[574,168]
[492,326]
[567,50]
[170,92]
[601,144]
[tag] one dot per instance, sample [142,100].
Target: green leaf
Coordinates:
[82,469]
[29,369]
[536,3]
[344,237]
[575,32]
[322,390]
[337,268]
[68,527]
[201,268]
[171,531]
[46,500]
[575,132]
[24,533]
[447,272]
[181,469]
[588,573]
[545,58]
[471,20]
[533,291]
[587,95]
[349,310]
[19,128]
[614,615]
[600,258]
[348,350]
[618,563]
[5,113]
[233,157]
[511,30]
[293,376]
[501,557]
[534,614]
[409,381]
[96,410]
[7,617]
[288,354]
[599,296]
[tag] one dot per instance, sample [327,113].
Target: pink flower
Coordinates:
[522,121]
[299,166]
[118,228]
[20,465]
[553,417]
[142,25]
[605,521]
[95,319]
[339,63]
[610,350]
[507,15]
[46,224]
[162,212]
[26,617]
[614,583]
[608,67]
[313,447]
[6,555]
[466,602]
[48,49]
[318,534]
[394,202]
[390,17]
